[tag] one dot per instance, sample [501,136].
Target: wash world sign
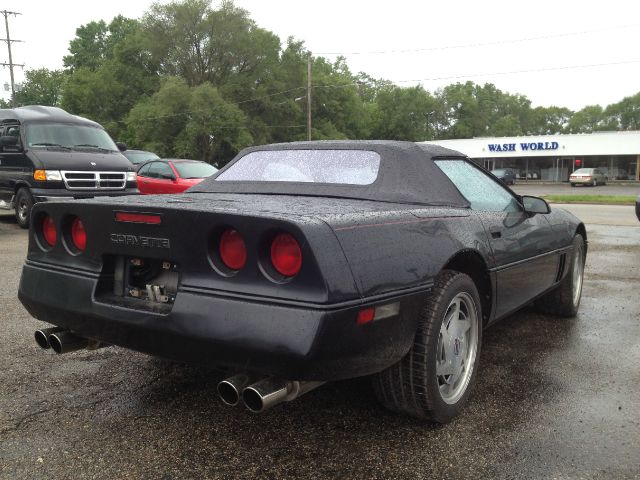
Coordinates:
[522,146]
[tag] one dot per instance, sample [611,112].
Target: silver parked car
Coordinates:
[587,176]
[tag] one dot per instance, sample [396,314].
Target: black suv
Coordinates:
[47,153]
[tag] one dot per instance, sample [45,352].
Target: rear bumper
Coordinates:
[581,181]
[290,341]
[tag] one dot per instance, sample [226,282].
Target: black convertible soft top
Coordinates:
[407,174]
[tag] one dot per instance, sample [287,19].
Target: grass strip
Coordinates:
[595,199]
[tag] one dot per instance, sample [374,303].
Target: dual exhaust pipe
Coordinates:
[63,341]
[260,395]
[257,394]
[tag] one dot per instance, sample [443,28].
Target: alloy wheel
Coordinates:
[457,348]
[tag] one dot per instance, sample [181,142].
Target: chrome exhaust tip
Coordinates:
[230,389]
[65,342]
[42,336]
[265,394]
[269,392]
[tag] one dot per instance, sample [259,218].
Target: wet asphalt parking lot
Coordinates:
[555,398]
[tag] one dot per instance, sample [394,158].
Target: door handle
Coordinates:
[495,232]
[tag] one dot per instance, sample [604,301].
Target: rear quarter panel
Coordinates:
[391,251]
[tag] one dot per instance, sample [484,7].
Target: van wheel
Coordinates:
[24,204]
[434,379]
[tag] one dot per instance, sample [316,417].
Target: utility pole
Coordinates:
[9,42]
[309,97]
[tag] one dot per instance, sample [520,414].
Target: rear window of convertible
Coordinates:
[351,167]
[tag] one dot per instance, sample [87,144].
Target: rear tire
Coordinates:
[564,300]
[434,379]
[23,206]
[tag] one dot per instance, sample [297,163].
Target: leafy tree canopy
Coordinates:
[42,87]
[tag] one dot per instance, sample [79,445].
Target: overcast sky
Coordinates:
[542,40]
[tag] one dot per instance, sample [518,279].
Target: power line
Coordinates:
[9,42]
[489,74]
[267,96]
[484,44]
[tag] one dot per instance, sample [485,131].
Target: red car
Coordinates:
[172,176]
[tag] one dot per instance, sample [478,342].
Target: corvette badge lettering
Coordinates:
[138,241]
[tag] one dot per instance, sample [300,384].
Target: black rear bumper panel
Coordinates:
[290,341]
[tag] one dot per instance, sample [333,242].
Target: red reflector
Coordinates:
[49,230]
[286,255]
[78,234]
[366,316]
[233,251]
[138,218]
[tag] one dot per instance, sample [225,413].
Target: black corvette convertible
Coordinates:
[308,262]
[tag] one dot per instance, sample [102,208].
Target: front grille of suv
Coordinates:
[94,180]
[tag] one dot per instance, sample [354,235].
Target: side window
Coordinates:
[483,193]
[11,131]
[144,171]
[161,170]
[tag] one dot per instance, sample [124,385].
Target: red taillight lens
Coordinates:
[49,230]
[78,234]
[286,255]
[138,218]
[233,251]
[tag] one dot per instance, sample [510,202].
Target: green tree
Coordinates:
[189,122]
[474,111]
[95,42]
[587,120]
[624,115]
[404,114]
[41,87]
[550,120]
[337,109]
[106,89]
[191,40]
[276,105]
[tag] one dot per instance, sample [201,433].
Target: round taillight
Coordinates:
[286,255]
[233,251]
[49,230]
[78,234]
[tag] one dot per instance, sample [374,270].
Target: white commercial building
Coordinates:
[554,157]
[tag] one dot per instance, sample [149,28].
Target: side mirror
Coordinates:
[535,205]
[121,146]
[168,177]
